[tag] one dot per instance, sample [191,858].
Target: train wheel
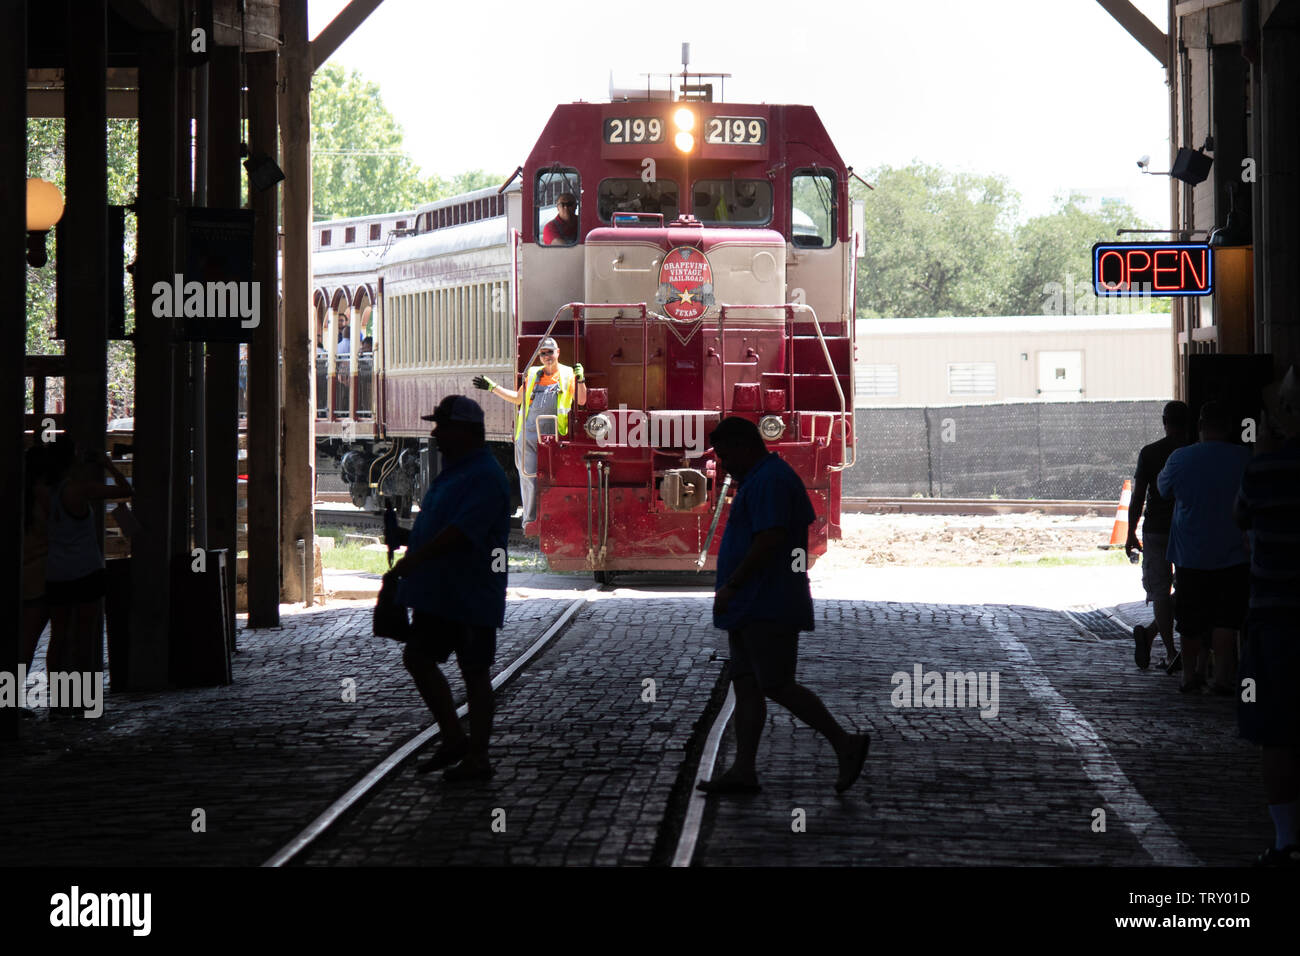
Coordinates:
[604,578]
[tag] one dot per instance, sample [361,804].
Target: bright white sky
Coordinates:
[1052,94]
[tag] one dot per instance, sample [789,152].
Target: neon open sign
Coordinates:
[1152,268]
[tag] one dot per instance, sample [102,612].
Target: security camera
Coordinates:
[1144,162]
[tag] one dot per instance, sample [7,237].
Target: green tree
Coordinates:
[358,163]
[1052,273]
[938,243]
[45,152]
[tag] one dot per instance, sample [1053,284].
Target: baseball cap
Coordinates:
[457,408]
[548,343]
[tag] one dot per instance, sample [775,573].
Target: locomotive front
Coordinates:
[708,272]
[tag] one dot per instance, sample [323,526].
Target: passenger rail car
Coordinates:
[711,274]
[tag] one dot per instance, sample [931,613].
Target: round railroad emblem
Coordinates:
[685,284]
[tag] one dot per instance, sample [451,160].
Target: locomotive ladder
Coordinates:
[789,308]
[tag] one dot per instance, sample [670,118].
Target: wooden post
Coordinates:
[152,447]
[182,389]
[82,254]
[264,363]
[1278,187]
[298,490]
[222,393]
[13,290]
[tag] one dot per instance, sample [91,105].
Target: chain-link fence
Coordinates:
[1073,450]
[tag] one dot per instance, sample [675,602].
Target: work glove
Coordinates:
[578,373]
[484,383]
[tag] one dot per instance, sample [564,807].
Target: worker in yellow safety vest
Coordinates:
[549,390]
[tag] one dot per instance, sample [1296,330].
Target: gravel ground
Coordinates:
[964,540]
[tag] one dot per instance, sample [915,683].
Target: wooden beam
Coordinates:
[222,393]
[152,446]
[82,276]
[182,393]
[264,362]
[297,521]
[13,302]
[1277,195]
[339,29]
[1140,28]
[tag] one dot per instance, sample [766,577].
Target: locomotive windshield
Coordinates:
[813,213]
[634,195]
[557,200]
[733,202]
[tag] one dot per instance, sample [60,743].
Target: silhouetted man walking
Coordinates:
[1157,570]
[454,578]
[763,601]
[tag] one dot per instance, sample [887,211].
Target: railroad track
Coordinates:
[357,794]
[974,506]
[336,508]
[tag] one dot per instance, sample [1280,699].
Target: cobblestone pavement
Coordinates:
[261,757]
[590,773]
[1078,728]
[585,766]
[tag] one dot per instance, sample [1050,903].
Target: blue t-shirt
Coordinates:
[772,495]
[1269,505]
[468,584]
[1204,478]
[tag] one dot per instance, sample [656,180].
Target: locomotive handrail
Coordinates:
[577,308]
[541,418]
[788,308]
[835,380]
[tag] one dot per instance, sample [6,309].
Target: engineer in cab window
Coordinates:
[563,229]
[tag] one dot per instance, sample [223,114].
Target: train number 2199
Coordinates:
[635,129]
[736,130]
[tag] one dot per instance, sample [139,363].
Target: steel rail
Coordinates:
[388,764]
[689,837]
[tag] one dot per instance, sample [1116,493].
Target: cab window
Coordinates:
[812,209]
[557,199]
[733,202]
[634,195]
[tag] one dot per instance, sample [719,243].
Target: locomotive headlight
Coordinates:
[598,428]
[771,427]
[684,119]
[684,142]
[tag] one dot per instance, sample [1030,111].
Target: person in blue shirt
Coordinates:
[763,601]
[1268,504]
[1207,549]
[453,577]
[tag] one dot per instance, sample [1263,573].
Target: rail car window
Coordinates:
[633,195]
[557,204]
[813,208]
[733,202]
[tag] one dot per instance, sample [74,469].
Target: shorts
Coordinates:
[91,587]
[1271,656]
[475,647]
[766,651]
[1157,572]
[1209,599]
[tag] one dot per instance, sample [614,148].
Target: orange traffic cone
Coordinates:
[1119,531]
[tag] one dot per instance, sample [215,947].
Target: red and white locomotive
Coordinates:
[712,275]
